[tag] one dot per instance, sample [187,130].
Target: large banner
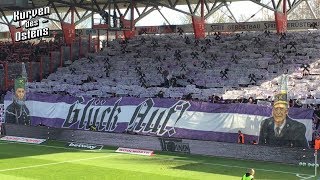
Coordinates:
[160,117]
[165,29]
[234,27]
[69,32]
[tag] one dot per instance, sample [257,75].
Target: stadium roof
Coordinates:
[98,5]
[141,7]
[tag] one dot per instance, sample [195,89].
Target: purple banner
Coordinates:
[159,117]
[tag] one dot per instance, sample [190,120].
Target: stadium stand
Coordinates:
[234,66]
[171,88]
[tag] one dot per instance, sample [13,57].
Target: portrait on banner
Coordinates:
[280,129]
[17,112]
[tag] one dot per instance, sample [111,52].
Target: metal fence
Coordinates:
[33,71]
[1,113]
[2,82]
[55,60]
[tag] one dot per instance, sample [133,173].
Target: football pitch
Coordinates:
[52,160]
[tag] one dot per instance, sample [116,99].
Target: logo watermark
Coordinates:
[32,20]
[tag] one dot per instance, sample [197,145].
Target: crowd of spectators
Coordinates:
[25,51]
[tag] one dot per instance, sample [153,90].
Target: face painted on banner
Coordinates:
[20,93]
[279,113]
[19,86]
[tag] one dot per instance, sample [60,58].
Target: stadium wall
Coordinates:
[211,148]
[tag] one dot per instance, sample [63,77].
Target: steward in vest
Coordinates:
[317,143]
[249,175]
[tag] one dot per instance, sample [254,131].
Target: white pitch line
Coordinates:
[304,178]
[7,142]
[57,147]
[55,163]
[233,166]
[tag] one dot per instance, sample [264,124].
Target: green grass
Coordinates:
[54,161]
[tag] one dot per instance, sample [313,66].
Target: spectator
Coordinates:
[240,137]
[254,142]
[251,100]
[160,94]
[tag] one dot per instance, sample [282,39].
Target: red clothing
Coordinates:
[317,144]
[240,138]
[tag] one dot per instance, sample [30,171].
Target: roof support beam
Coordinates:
[213,9]
[55,9]
[65,16]
[279,3]
[273,4]
[207,6]
[265,5]
[294,5]
[234,18]
[311,10]
[163,16]
[83,18]
[51,19]
[197,7]
[289,3]
[5,17]
[144,14]
[152,3]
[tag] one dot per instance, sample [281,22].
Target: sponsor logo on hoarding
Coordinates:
[84,146]
[174,145]
[135,151]
[22,139]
